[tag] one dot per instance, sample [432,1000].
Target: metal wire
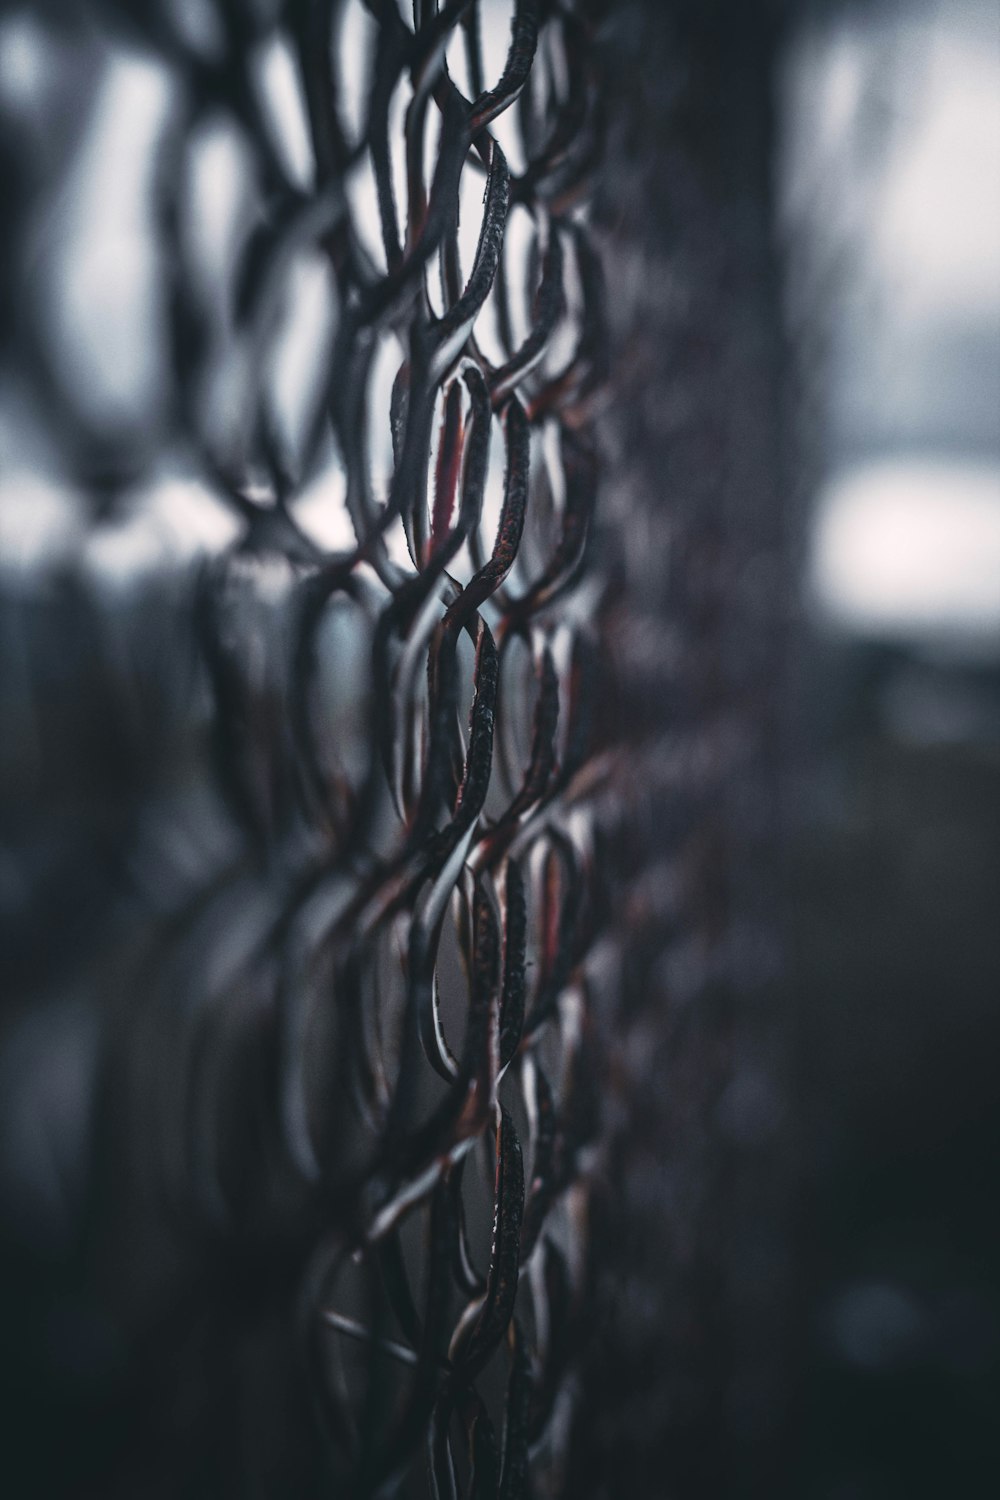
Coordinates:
[361,1048]
[394,884]
[471,1313]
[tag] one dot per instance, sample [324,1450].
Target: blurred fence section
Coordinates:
[686,1392]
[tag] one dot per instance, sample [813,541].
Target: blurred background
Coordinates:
[891,183]
[885,174]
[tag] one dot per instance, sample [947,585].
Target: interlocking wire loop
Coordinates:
[418,777]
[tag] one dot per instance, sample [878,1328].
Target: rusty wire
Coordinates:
[416,984]
[402,867]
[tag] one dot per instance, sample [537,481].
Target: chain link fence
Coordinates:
[344,1016]
[388,844]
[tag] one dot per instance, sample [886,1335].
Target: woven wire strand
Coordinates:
[402,730]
